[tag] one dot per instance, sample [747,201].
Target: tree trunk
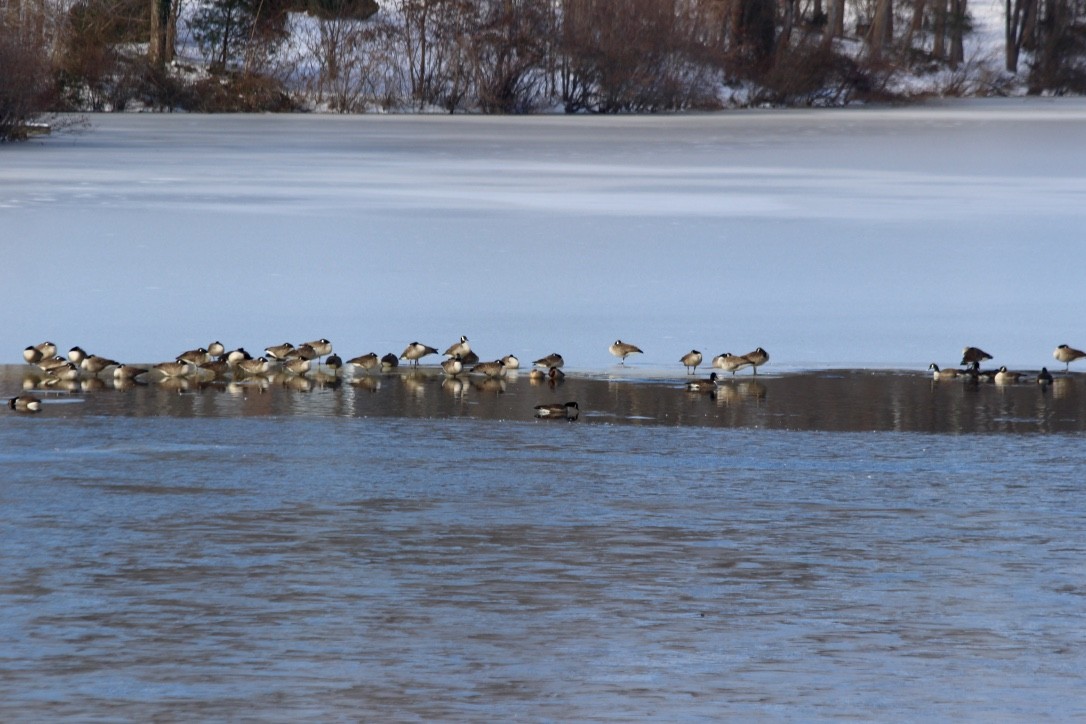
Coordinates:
[938,47]
[158,52]
[881,27]
[957,32]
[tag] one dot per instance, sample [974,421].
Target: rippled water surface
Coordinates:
[181,560]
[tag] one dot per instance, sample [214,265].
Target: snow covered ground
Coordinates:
[859,237]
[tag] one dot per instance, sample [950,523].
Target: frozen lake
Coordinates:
[812,543]
[871,237]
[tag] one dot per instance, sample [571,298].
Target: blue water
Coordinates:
[342,567]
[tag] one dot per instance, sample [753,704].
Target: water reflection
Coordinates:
[828,400]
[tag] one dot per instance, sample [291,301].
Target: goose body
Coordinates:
[730,362]
[552,360]
[334,362]
[257,366]
[297,365]
[65,372]
[195,357]
[459,348]
[708,385]
[278,352]
[389,362]
[176,368]
[490,369]
[974,354]
[691,360]
[1005,377]
[76,355]
[47,349]
[567,411]
[511,362]
[237,355]
[32,355]
[25,403]
[757,358]
[947,374]
[321,346]
[622,350]
[364,361]
[1044,377]
[1067,355]
[127,372]
[49,363]
[216,349]
[453,366]
[93,364]
[416,351]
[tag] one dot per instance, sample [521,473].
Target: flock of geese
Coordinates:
[216,362]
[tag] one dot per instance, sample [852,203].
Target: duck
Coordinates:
[622,350]
[364,362]
[459,348]
[730,362]
[691,360]
[25,403]
[708,385]
[552,360]
[511,362]
[453,366]
[948,374]
[566,411]
[416,351]
[757,358]
[1067,354]
[974,354]
[490,369]
[1005,377]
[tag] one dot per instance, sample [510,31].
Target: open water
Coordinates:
[403,549]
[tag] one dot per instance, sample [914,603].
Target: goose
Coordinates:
[47,363]
[25,403]
[459,348]
[128,372]
[1044,377]
[554,374]
[1003,377]
[177,368]
[257,366]
[194,357]
[453,366]
[389,362]
[65,372]
[297,365]
[32,355]
[567,411]
[278,352]
[1067,355]
[552,360]
[511,362]
[303,351]
[708,385]
[321,346]
[622,349]
[730,362]
[537,375]
[691,360]
[216,349]
[976,374]
[948,374]
[76,355]
[490,369]
[974,354]
[470,358]
[757,358]
[237,355]
[93,364]
[364,362]
[47,349]
[416,351]
[334,362]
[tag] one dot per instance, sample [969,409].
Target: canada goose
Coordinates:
[216,349]
[47,363]
[1067,355]
[364,362]
[1044,377]
[128,372]
[32,355]
[297,365]
[76,355]
[470,358]
[567,411]
[974,354]
[237,355]
[334,362]
[93,364]
[554,374]
[757,358]
[459,348]
[453,366]
[47,349]
[490,369]
[278,352]
[976,374]
[708,385]
[25,403]
[938,374]
[67,371]
[416,351]
[1003,377]
[552,360]
[622,349]
[731,362]
[511,362]
[257,366]
[302,351]
[537,375]
[177,368]
[691,360]
[195,357]
[389,362]
[321,346]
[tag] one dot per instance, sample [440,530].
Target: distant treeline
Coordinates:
[512,56]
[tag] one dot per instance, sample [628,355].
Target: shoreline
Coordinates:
[828,400]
